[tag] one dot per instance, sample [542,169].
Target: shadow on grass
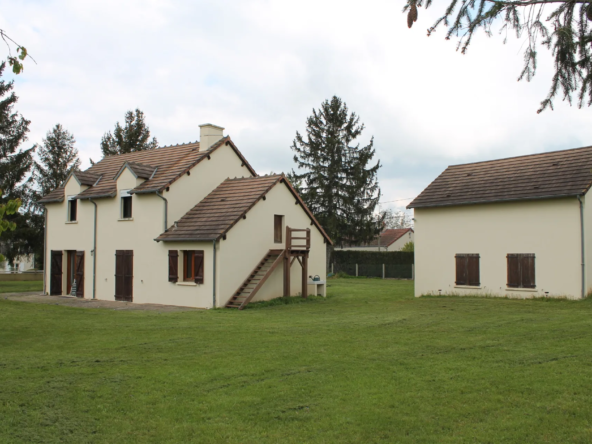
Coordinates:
[284,301]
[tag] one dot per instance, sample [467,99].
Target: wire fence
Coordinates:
[384,271]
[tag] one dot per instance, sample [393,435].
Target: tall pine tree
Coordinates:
[337,182]
[15,165]
[134,136]
[58,158]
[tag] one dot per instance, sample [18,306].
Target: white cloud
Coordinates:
[258,67]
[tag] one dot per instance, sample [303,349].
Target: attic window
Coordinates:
[126,204]
[72,209]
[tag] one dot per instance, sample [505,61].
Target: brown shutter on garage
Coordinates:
[173,265]
[473,269]
[55,286]
[527,270]
[198,266]
[513,261]
[80,274]
[129,275]
[461,269]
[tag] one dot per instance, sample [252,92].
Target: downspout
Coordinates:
[583,247]
[166,210]
[45,261]
[214,279]
[94,251]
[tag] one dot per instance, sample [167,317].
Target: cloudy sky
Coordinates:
[259,67]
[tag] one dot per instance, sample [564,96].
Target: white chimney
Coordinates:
[208,135]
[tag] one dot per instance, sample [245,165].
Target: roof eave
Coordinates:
[477,202]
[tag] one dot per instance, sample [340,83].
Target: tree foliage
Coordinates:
[337,182]
[8,208]
[562,26]
[395,219]
[409,247]
[15,61]
[133,136]
[58,157]
[15,163]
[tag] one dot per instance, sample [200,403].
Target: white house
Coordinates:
[190,225]
[389,240]
[518,227]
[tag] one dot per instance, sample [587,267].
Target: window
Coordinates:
[278,224]
[521,270]
[126,205]
[467,270]
[72,209]
[193,264]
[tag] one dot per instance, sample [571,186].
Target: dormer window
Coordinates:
[72,208]
[126,204]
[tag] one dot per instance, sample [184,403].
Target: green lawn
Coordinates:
[18,286]
[368,364]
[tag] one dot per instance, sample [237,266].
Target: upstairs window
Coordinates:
[521,270]
[278,225]
[126,205]
[72,209]
[467,270]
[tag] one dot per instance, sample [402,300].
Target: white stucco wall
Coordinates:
[548,228]
[251,238]
[150,284]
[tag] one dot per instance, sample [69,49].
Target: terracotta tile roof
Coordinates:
[387,237]
[142,171]
[170,162]
[86,178]
[54,196]
[536,176]
[220,210]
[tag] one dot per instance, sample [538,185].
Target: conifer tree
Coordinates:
[14,162]
[134,136]
[25,233]
[58,158]
[337,182]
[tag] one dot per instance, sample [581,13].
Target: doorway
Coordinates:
[124,275]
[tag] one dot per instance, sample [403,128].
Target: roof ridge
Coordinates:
[520,157]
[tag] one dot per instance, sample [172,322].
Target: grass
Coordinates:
[20,286]
[368,364]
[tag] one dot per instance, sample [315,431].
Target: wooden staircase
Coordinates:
[256,279]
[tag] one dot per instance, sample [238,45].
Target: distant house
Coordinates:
[190,224]
[518,227]
[21,263]
[389,240]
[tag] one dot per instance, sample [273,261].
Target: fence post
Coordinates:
[412,272]
[332,271]
[356,270]
[383,271]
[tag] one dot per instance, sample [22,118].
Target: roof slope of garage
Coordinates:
[536,176]
[220,210]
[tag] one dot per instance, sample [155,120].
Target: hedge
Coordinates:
[372,257]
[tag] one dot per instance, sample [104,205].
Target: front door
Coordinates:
[124,275]
[79,274]
[55,286]
[70,270]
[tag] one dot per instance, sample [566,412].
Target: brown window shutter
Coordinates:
[173,265]
[198,266]
[119,275]
[55,287]
[473,269]
[513,261]
[80,274]
[461,269]
[527,271]
[277,229]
